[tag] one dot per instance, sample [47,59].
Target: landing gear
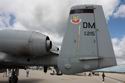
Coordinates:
[45,69]
[14,76]
[58,72]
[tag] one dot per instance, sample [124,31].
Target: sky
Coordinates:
[50,18]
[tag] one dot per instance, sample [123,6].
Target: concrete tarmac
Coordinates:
[40,77]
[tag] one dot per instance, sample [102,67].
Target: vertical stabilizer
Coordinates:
[87,43]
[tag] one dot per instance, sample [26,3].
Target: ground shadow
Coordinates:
[25,81]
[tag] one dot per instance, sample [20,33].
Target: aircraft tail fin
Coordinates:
[87,44]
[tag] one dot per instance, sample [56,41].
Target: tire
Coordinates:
[9,79]
[16,79]
[13,79]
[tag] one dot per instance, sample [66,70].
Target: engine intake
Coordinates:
[48,44]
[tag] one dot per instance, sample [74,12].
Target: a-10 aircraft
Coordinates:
[86,46]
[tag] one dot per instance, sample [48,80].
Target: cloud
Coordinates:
[109,6]
[49,17]
[6,19]
[119,49]
[120,12]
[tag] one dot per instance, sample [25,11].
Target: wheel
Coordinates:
[14,76]
[59,73]
[9,79]
[13,79]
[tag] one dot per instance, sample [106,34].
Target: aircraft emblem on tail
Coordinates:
[75,20]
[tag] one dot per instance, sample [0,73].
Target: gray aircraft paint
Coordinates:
[25,48]
[24,43]
[86,44]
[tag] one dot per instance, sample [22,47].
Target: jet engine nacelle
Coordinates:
[24,43]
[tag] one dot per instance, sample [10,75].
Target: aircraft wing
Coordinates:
[114,69]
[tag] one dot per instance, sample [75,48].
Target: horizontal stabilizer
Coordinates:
[114,69]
